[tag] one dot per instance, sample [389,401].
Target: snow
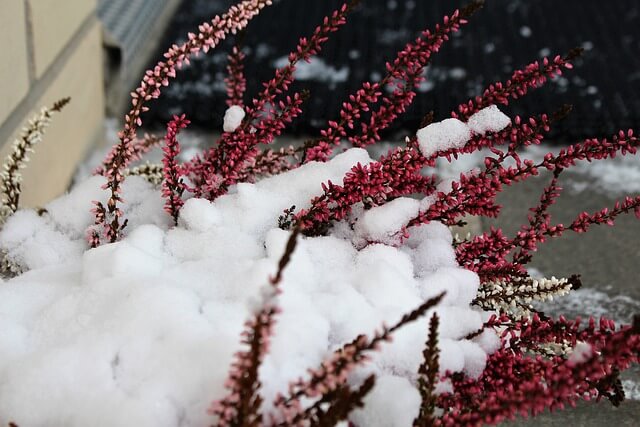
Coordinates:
[580,354]
[453,133]
[631,390]
[586,302]
[383,223]
[199,215]
[449,133]
[433,254]
[619,176]
[489,119]
[615,177]
[233,118]
[143,331]
[488,340]
[397,412]
[57,236]
[525,31]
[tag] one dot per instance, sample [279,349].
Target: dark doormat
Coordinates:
[506,34]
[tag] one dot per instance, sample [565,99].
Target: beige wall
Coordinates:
[14,75]
[52,49]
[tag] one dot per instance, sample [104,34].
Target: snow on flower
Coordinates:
[489,119]
[581,353]
[449,133]
[233,118]
[382,223]
[143,330]
[454,134]
[192,318]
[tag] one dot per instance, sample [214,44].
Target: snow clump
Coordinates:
[142,331]
[489,119]
[453,133]
[580,354]
[233,118]
[449,133]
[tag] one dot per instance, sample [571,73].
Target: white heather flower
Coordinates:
[10,177]
[148,171]
[233,118]
[515,295]
[551,349]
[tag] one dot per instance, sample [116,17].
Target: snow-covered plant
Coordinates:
[11,178]
[208,37]
[306,286]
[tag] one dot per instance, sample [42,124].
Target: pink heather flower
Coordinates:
[523,376]
[237,149]
[517,383]
[235,80]
[532,76]
[404,74]
[209,36]
[242,405]
[172,184]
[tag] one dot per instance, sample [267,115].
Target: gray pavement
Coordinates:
[608,258]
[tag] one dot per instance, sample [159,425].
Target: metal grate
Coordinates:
[126,22]
[506,34]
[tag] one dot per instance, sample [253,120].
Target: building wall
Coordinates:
[51,49]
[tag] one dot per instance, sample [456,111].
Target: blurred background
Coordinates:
[504,36]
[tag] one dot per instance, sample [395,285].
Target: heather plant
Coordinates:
[10,178]
[349,244]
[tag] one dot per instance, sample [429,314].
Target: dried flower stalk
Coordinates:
[10,177]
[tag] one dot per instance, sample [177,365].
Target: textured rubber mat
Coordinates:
[506,34]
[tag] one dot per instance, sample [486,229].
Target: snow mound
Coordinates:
[142,332]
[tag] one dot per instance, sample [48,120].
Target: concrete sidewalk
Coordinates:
[608,258]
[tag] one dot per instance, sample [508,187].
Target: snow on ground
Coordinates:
[621,176]
[616,177]
[141,332]
[586,302]
[631,389]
